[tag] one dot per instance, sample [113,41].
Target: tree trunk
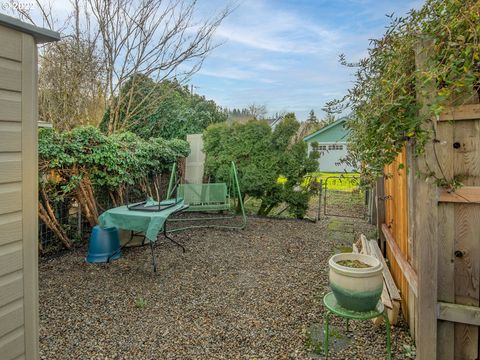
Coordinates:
[52,223]
[261,209]
[122,194]
[112,197]
[155,185]
[269,209]
[86,198]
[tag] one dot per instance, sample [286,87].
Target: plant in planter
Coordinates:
[356,280]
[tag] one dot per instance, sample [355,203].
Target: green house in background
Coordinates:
[332,140]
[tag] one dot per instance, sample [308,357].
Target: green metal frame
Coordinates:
[332,307]
[232,192]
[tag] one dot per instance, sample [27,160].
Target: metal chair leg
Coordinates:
[169,238]
[176,243]
[154,263]
[325,333]
[389,345]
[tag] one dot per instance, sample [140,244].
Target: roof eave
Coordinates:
[335,123]
[41,35]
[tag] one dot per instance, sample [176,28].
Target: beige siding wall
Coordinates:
[18,204]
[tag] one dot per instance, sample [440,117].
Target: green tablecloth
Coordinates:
[148,222]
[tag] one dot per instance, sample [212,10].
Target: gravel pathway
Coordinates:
[251,294]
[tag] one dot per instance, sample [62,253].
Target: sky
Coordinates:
[284,53]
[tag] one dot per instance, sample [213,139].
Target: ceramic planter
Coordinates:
[357,289]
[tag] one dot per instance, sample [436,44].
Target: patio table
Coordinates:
[150,223]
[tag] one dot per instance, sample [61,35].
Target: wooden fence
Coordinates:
[395,231]
[432,237]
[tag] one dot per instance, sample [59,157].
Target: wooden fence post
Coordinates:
[380,205]
[372,206]
[424,231]
[412,251]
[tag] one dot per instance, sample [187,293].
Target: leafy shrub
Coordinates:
[109,161]
[262,157]
[86,165]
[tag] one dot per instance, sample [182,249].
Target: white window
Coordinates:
[335,147]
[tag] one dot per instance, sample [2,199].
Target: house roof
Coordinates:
[326,128]
[41,35]
[274,121]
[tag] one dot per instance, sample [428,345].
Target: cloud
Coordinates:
[268,66]
[263,26]
[228,73]
[284,53]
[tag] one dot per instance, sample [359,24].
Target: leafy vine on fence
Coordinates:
[390,90]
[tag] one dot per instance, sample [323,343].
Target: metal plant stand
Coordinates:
[332,307]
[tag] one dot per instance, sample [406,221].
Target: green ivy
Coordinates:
[109,161]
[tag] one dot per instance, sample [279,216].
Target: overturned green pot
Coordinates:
[357,289]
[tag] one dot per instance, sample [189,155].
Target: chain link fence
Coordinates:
[70,218]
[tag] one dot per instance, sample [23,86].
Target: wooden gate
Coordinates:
[458,235]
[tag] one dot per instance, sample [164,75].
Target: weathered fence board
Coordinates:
[467,229]
[466,194]
[446,224]
[461,112]
[459,313]
[446,244]
[433,235]
[405,269]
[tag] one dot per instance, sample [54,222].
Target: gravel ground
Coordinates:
[250,294]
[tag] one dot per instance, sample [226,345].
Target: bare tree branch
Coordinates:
[105,43]
[156,38]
